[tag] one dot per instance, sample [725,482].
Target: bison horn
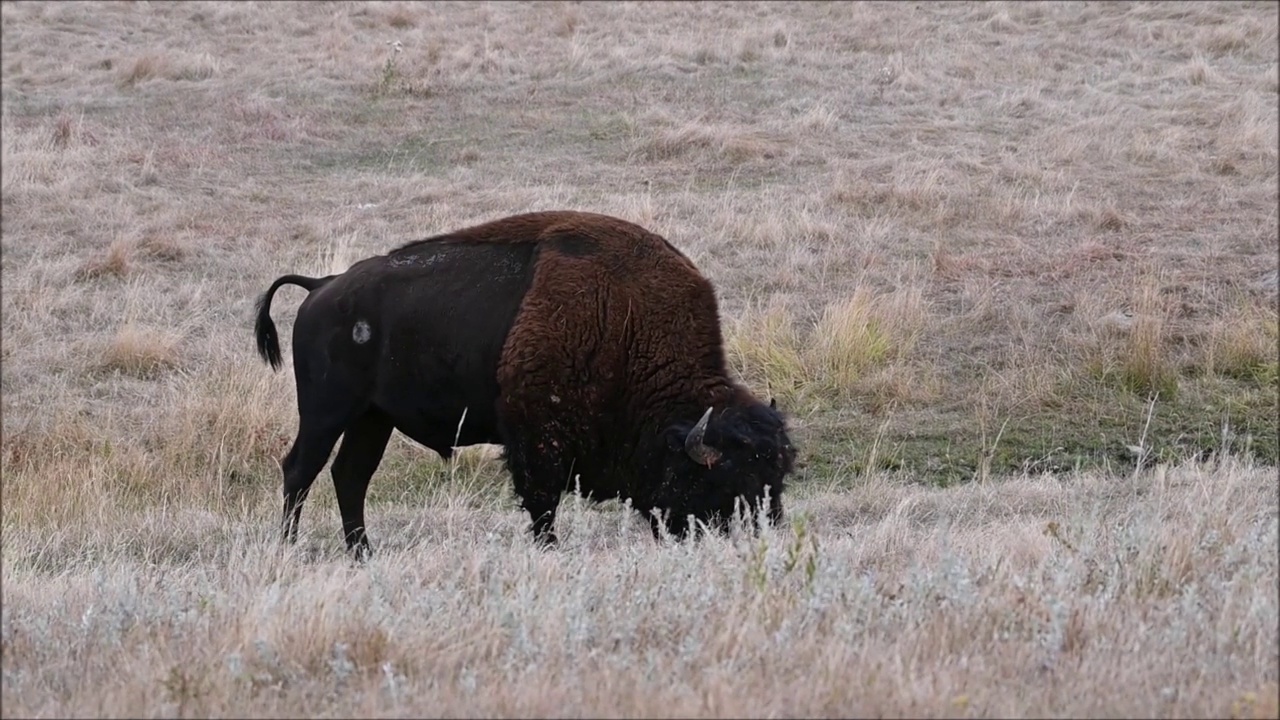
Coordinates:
[701,453]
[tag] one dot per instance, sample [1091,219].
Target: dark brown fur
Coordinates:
[614,353]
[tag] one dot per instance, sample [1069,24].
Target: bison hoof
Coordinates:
[360,551]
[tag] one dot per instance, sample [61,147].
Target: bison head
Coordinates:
[738,453]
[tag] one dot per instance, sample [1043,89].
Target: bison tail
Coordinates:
[265,329]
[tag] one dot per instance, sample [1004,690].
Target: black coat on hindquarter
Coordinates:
[436,316]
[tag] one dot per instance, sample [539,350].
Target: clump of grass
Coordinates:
[950,266]
[1146,365]
[140,351]
[465,156]
[39,454]
[214,441]
[115,262]
[763,45]
[391,80]
[1243,344]
[836,355]
[914,197]
[63,129]
[168,66]
[400,17]
[1198,71]
[145,67]
[732,143]
[566,22]
[1246,132]
[819,118]
[1270,81]
[162,247]
[386,81]
[765,348]
[388,74]
[1227,40]
[194,67]
[1131,350]
[1110,220]
[32,446]
[228,422]
[847,341]
[862,332]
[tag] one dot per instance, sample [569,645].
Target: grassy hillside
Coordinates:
[1018,259]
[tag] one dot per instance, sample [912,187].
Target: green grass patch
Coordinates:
[417,475]
[1096,428]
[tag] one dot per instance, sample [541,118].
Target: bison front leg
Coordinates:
[775,507]
[542,512]
[539,478]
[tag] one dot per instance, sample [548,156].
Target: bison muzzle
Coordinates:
[585,345]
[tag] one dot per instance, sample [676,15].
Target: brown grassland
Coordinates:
[1011,268]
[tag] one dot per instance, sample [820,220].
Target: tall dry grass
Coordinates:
[1064,597]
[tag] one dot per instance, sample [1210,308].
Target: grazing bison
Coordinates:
[587,346]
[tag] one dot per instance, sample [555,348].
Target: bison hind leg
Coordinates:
[320,424]
[361,451]
[310,451]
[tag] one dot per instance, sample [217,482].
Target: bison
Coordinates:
[585,345]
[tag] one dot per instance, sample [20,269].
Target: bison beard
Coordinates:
[587,346]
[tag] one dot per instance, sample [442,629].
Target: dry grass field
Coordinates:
[1010,267]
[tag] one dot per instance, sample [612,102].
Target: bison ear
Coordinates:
[773,403]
